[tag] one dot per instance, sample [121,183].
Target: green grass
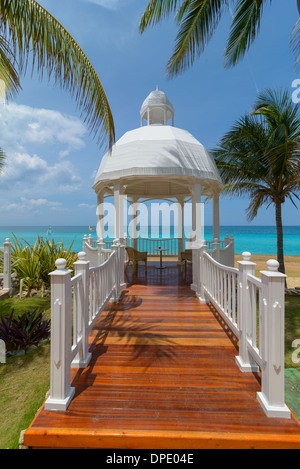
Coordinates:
[23,305]
[25,380]
[292,328]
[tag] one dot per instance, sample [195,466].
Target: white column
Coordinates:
[216,216]
[117,210]
[135,206]
[100,217]
[197,234]
[197,215]
[180,206]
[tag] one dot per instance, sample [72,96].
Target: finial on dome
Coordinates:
[157,109]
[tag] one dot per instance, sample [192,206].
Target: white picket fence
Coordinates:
[76,304]
[254,309]
[7,284]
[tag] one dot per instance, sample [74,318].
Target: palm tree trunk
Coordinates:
[298,5]
[280,255]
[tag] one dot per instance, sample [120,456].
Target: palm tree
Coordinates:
[197,21]
[260,158]
[28,32]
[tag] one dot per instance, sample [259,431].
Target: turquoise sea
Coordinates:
[256,239]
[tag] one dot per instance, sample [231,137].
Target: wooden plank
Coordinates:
[162,376]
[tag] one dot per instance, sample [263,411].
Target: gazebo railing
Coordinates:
[254,309]
[222,251]
[76,304]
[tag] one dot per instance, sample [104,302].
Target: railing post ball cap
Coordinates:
[61,264]
[246,256]
[273,265]
[82,256]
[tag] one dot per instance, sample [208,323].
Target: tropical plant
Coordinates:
[29,32]
[24,331]
[260,158]
[33,263]
[197,21]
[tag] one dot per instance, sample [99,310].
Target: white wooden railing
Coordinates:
[222,251]
[254,309]
[220,286]
[76,304]
[7,284]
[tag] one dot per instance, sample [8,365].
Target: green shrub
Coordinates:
[33,264]
[24,331]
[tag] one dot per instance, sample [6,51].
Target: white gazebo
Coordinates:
[158,162]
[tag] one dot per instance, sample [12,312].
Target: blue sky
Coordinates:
[52,159]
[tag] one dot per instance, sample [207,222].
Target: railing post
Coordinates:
[202,279]
[116,248]
[82,266]
[244,360]
[195,268]
[216,249]
[272,396]
[101,254]
[7,266]
[84,242]
[121,266]
[61,392]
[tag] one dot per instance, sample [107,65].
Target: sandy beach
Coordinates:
[292,265]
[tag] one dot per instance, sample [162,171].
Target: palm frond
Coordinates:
[295,44]
[8,73]
[2,160]
[35,34]
[157,10]
[260,155]
[244,29]
[197,20]
[257,200]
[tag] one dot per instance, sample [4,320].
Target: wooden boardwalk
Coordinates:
[162,376]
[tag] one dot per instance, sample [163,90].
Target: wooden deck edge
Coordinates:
[128,439]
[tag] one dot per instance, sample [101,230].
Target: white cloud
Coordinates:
[22,125]
[87,206]
[110,4]
[29,205]
[23,131]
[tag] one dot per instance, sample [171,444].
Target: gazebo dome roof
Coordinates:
[158,161]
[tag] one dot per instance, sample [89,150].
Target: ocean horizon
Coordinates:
[255,239]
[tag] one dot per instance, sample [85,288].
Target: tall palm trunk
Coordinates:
[298,5]
[280,256]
